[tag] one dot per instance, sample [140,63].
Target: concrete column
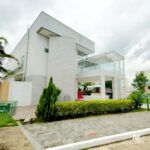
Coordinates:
[114,63]
[123,68]
[124,86]
[124,78]
[115,87]
[76,87]
[119,82]
[114,81]
[102,79]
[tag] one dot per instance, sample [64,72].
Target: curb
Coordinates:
[30,138]
[102,140]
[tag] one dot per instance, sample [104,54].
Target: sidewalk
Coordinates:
[142,144]
[11,138]
[24,112]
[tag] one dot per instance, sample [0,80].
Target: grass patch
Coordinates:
[6,120]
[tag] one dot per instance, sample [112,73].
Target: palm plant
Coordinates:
[4,55]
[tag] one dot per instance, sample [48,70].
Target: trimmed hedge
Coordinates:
[93,107]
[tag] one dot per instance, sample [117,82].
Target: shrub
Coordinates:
[94,107]
[140,82]
[88,92]
[138,98]
[46,108]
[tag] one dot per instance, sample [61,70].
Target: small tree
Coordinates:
[3,55]
[46,107]
[138,98]
[140,82]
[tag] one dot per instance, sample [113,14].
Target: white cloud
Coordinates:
[113,24]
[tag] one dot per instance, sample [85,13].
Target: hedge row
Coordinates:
[94,107]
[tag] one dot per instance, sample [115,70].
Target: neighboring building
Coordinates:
[147,88]
[50,48]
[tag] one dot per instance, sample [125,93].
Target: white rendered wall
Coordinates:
[37,58]
[18,52]
[62,65]
[50,23]
[20,92]
[37,62]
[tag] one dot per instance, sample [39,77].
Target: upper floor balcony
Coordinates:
[110,63]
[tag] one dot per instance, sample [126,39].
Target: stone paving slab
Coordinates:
[142,144]
[75,130]
[24,112]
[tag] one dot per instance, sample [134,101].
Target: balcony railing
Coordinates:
[100,68]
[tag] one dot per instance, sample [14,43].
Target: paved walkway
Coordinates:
[11,138]
[74,130]
[24,112]
[142,144]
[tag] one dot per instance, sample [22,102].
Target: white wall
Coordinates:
[50,23]
[18,52]
[38,66]
[20,92]
[62,65]
[37,58]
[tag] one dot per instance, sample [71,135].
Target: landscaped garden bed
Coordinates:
[93,107]
[49,109]
[76,109]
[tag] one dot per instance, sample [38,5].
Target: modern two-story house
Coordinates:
[50,48]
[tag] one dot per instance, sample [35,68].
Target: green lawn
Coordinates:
[6,120]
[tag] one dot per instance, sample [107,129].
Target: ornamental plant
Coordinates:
[139,84]
[74,109]
[46,108]
[138,98]
[4,55]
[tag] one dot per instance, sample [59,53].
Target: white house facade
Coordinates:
[50,48]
